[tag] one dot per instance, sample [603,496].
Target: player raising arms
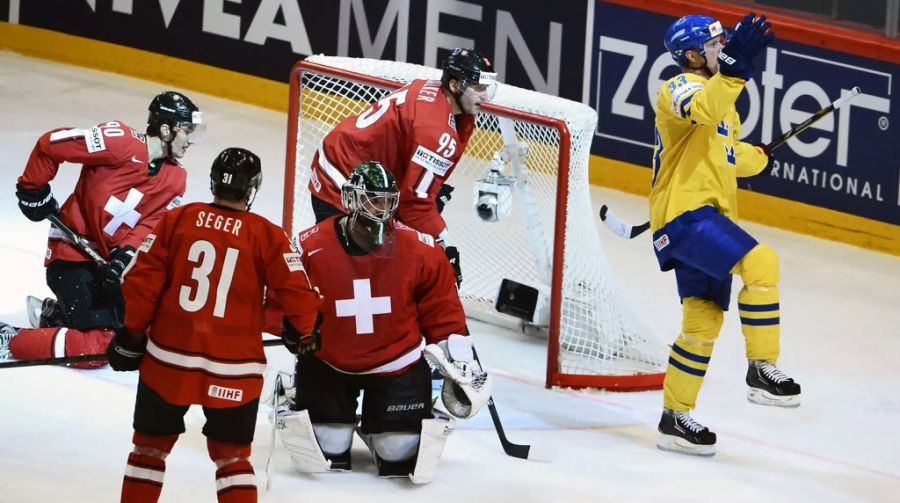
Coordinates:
[693,208]
[128,180]
[390,296]
[198,283]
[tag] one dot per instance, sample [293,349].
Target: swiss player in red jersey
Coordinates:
[128,181]
[197,287]
[390,299]
[420,131]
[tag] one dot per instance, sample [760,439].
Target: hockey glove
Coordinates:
[124,352]
[37,203]
[467,387]
[749,37]
[110,275]
[453,256]
[298,343]
[444,197]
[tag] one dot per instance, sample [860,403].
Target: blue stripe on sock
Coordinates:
[756,308]
[684,368]
[760,322]
[690,356]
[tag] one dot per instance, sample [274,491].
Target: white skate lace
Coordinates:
[688,422]
[772,372]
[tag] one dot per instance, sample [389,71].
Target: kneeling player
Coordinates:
[389,299]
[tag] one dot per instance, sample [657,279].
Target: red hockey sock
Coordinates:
[144,472]
[56,342]
[235,481]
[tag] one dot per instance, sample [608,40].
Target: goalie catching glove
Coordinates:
[466,386]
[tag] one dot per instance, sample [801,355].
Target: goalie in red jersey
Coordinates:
[197,287]
[128,181]
[390,301]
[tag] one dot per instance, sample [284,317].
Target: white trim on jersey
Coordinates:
[394,365]
[201,363]
[336,177]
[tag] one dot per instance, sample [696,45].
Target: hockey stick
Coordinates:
[65,360]
[521,451]
[77,240]
[628,231]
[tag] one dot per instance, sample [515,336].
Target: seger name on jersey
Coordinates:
[215,221]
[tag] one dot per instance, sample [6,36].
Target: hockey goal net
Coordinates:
[548,241]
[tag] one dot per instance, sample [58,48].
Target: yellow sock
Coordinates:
[758,303]
[689,359]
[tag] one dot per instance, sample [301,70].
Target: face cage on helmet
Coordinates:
[373,205]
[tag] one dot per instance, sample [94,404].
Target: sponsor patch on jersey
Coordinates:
[682,95]
[425,238]
[431,161]
[137,135]
[452,121]
[174,203]
[309,232]
[293,262]
[233,394]
[148,242]
[661,242]
[93,137]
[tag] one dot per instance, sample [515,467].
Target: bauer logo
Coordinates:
[405,407]
[661,242]
[232,394]
[93,137]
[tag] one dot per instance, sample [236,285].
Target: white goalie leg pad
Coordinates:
[466,386]
[299,439]
[431,446]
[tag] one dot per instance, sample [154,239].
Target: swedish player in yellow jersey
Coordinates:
[696,161]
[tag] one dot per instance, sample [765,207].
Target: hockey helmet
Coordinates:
[178,111]
[371,198]
[691,32]
[236,175]
[468,66]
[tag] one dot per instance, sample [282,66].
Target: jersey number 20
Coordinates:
[203,253]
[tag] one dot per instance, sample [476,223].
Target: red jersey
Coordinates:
[198,283]
[116,201]
[413,133]
[379,310]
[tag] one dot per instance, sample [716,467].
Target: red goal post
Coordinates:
[593,340]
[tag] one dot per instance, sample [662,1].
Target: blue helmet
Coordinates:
[690,32]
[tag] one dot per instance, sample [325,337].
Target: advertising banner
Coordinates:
[849,161]
[538,45]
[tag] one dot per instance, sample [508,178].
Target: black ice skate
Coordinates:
[43,313]
[770,386]
[680,433]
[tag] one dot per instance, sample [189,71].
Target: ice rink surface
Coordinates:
[65,434]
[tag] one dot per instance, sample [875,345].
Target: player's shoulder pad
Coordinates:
[681,89]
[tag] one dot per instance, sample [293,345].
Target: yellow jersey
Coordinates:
[697,156]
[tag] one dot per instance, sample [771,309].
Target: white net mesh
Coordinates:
[598,334]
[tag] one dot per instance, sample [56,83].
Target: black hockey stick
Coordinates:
[628,231]
[521,451]
[66,360]
[77,240]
